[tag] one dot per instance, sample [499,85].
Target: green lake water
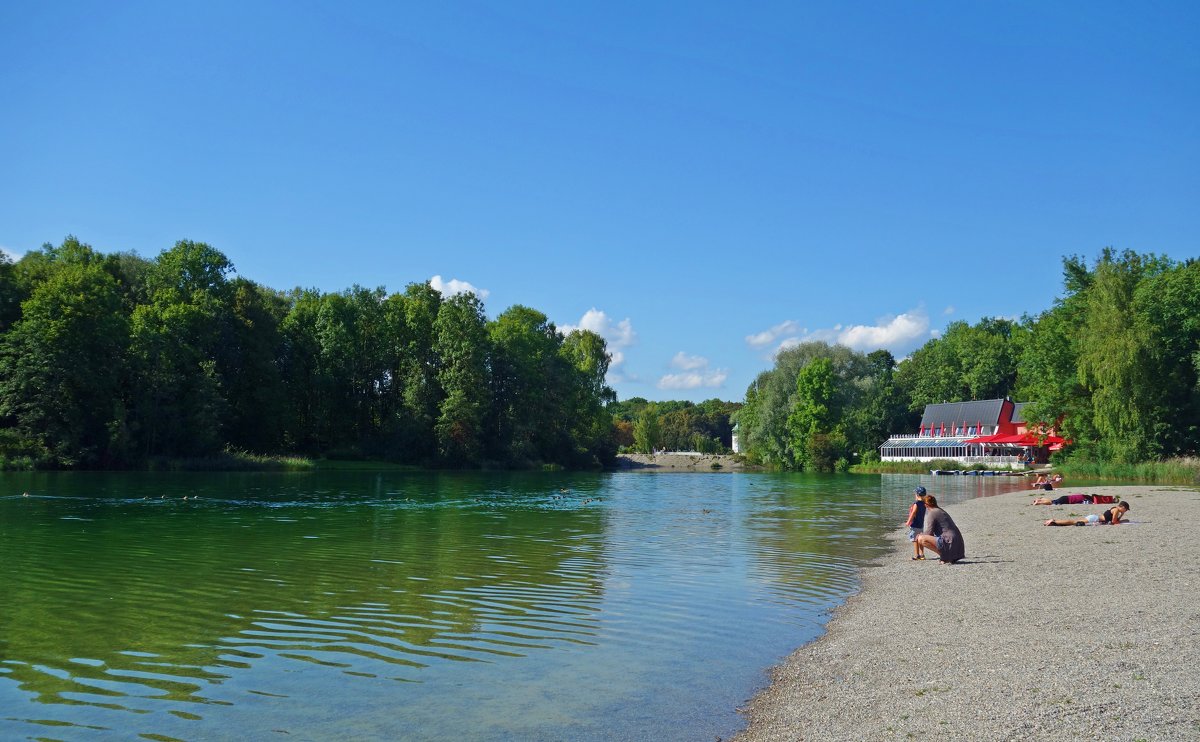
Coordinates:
[421,606]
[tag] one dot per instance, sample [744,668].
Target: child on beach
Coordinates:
[916,521]
[1112,517]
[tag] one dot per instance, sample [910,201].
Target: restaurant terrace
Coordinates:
[991,431]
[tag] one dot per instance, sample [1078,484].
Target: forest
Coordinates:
[117,361]
[1114,364]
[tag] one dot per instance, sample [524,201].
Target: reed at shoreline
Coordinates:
[1182,470]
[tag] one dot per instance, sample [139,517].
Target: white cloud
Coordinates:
[893,332]
[949,310]
[696,374]
[12,254]
[617,336]
[455,286]
[762,339]
[898,333]
[694,380]
[688,363]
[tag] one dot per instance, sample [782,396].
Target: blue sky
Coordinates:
[699,182]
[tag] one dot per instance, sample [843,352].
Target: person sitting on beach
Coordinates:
[916,521]
[941,535]
[1039,483]
[1075,499]
[1110,517]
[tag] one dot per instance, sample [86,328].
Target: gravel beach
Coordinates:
[1040,634]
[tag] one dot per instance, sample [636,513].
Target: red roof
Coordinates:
[1025,439]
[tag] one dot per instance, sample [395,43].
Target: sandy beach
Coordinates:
[1040,634]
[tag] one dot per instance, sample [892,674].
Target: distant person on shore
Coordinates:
[941,535]
[916,521]
[1064,500]
[1110,517]
[1041,483]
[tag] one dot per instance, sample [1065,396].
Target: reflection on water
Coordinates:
[420,606]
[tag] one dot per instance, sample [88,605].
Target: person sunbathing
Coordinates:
[1110,517]
[1064,500]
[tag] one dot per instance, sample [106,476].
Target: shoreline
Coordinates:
[1040,633]
[682,461]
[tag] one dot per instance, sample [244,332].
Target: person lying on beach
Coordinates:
[1112,517]
[941,535]
[1064,500]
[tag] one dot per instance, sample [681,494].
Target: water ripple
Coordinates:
[426,606]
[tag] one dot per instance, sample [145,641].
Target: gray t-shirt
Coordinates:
[939,523]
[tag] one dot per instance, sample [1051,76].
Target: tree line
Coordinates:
[113,360]
[1114,364]
[643,427]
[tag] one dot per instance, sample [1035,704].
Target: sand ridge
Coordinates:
[1042,633]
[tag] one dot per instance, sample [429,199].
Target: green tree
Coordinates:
[813,416]
[1168,304]
[882,409]
[461,345]
[770,402]
[1113,357]
[249,354]
[300,373]
[528,420]
[647,435]
[10,293]
[1048,365]
[966,362]
[61,369]
[350,330]
[586,397]
[419,394]
[178,405]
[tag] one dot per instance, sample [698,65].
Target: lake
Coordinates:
[475,606]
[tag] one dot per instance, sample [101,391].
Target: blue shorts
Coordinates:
[912,534]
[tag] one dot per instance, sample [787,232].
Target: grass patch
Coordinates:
[1181,470]
[341,465]
[233,461]
[918,467]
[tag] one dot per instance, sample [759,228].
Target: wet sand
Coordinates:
[1042,633]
